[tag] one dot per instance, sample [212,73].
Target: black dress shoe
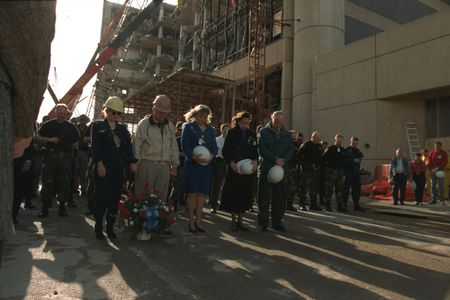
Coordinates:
[213,211]
[44,214]
[279,227]
[63,212]
[99,235]
[199,229]
[315,207]
[111,235]
[191,230]
[242,227]
[358,208]
[30,206]
[234,226]
[262,228]
[291,208]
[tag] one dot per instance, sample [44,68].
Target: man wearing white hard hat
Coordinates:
[437,162]
[156,148]
[399,173]
[276,148]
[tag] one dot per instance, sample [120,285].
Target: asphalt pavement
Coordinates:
[386,252]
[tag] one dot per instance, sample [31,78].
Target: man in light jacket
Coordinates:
[398,175]
[156,149]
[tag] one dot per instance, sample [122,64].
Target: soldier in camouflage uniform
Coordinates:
[60,136]
[292,176]
[334,159]
[309,157]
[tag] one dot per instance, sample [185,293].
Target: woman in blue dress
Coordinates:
[197,172]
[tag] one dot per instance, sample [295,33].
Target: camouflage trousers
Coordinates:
[334,180]
[292,182]
[56,177]
[309,181]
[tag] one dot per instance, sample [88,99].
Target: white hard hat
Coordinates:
[412,185]
[440,174]
[245,166]
[275,175]
[203,152]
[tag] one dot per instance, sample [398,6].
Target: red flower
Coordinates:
[142,214]
[146,186]
[121,204]
[140,197]
[161,214]
[156,192]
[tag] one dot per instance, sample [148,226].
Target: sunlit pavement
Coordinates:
[395,252]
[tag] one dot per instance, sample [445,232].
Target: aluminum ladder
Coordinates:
[412,137]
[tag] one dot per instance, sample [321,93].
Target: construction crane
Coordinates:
[74,93]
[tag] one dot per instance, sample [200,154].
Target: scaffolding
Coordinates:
[256,55]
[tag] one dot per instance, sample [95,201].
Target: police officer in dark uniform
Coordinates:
[111,154]
[60,135]
[334,159]
[309,157]
[352,173]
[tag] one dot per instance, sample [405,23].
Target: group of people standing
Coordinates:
[401,170]
[164,157]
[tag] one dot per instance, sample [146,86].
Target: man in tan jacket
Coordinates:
[155,147]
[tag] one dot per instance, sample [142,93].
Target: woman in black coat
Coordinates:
[240,143]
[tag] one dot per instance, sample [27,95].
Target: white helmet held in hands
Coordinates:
[275,175]
[203,152]
[412,185]
[440,174]
[245,166]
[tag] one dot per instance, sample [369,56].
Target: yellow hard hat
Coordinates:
[114,103]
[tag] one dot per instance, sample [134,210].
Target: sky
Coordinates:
[77,33]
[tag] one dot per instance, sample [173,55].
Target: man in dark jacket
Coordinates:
[399,173]
[353,158]
[309,159]
[276,147]
[334,159]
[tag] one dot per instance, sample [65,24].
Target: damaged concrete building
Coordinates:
[379,70]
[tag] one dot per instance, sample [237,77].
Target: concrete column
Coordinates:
[286,63]
[320,30]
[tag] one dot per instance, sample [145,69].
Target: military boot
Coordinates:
[62,210]
[44,213]
[99,232]
[110,227]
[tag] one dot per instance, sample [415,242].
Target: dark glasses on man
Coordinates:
[115,113]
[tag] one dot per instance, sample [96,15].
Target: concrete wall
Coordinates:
[372,87]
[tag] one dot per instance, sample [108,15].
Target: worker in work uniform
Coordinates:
[334,159]
[111,154]
[60,136]
[309,157]
[352,173]
[292,184]
[82,156]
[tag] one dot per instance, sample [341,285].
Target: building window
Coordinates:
[438,122]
